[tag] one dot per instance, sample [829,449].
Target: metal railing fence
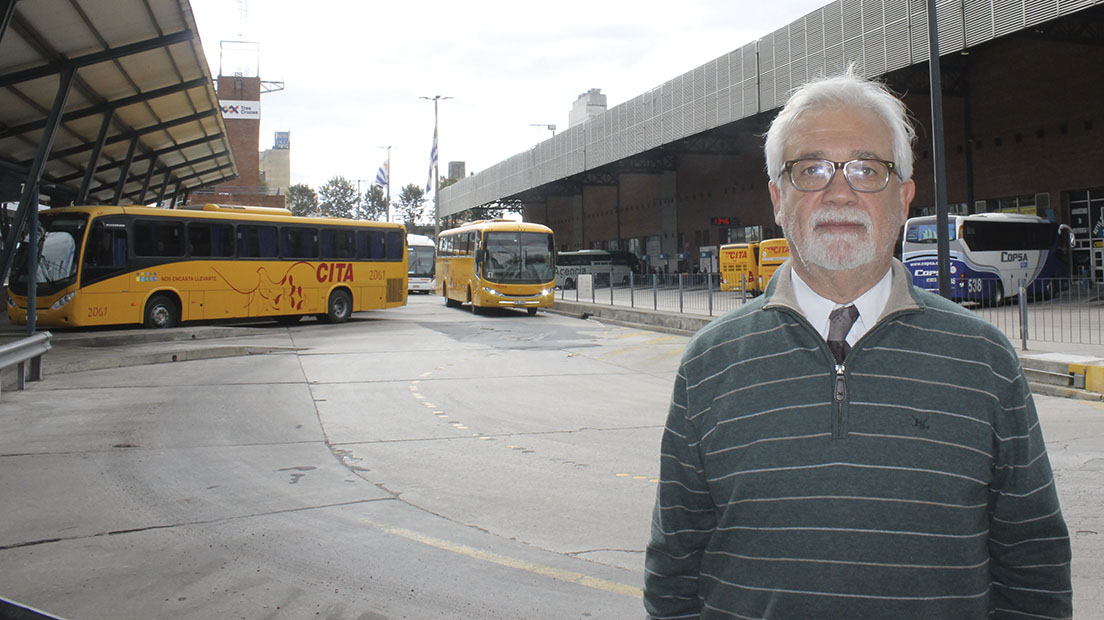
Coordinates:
[1066,310]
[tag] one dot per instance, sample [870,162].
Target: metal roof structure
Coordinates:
[107,102]
[876,36]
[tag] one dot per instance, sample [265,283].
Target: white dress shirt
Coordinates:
[816,308]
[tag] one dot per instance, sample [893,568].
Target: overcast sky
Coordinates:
[354,70]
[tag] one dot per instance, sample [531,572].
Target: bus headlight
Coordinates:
[548,291]
[11,302]
[60,303]
[490,291]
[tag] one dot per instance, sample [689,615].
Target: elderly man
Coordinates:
[848,446]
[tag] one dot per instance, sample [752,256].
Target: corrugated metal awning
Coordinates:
[140,119]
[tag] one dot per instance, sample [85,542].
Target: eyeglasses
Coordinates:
[863,175]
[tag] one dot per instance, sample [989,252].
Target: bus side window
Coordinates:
[199,239]
[396,241]
[299,242]
[256,241]
[370,244]
[208,239]
[105,254]
[158,239]
[338,243]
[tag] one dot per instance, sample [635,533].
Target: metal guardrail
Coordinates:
[20,352]
[1066,310]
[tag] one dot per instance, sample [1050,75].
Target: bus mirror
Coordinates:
[479,255]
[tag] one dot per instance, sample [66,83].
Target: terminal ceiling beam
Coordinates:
[103,108]
[137,132]
[56,66]
[158,153]
[7,9]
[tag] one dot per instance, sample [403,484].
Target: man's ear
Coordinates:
[776,200]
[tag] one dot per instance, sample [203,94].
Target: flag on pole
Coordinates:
[381,176]
[432,161]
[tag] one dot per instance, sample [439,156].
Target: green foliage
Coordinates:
[375,205]
[302,200]
[338,198]
[412,204]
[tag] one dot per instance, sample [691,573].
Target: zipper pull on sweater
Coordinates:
[841,386]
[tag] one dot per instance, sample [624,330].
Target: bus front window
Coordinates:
[58,243]
[420,261]
[518,257]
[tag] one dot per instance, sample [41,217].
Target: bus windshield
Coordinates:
[520,257]
[58,244]
[420,261]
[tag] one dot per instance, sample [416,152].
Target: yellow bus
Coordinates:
[751,263]
[497,264]
[739,263]
[772,253]
[116,265]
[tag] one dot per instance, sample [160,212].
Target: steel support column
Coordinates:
[164,185]
[94,158]
[7,9]
[125,172]
[146,181]
[30,185]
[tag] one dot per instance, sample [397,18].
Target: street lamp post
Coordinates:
[359,208]
[548,126]
[436,169]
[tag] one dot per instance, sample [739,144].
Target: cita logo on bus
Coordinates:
[335,272]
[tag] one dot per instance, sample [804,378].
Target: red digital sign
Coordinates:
[721,221]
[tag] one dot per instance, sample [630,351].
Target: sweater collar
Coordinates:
[780,291]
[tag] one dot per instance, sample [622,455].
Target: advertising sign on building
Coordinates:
[241,109]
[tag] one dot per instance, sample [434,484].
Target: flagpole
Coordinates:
[387,205]
[436,170]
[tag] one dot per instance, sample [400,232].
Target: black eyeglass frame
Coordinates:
[891,168]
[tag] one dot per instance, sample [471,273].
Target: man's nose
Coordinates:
[838,190]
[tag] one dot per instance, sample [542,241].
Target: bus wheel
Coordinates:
[339,308]
[996,297]
[474,308]
[532,311]
[161,312]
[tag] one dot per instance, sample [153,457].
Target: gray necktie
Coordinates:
[839,323]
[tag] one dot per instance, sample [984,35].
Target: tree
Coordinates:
[337,198]
[302,200]
[411,204]
[374,206]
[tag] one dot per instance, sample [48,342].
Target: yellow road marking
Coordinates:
[530,567]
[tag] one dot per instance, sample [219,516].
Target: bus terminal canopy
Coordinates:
[106,102]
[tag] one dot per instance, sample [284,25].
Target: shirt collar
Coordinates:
[816,308]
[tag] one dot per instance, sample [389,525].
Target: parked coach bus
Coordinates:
[601,264]
[422,255]
[107,265]
[497,264]
[752,264]
[990,255]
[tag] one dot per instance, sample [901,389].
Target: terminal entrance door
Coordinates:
[1087,221]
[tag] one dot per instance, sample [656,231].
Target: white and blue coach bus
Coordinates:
[422,255]
[991,254]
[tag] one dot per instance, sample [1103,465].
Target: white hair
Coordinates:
[845,90]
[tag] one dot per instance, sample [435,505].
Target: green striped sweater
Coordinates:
[911,482]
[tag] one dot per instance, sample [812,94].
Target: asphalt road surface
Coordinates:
[419,463]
